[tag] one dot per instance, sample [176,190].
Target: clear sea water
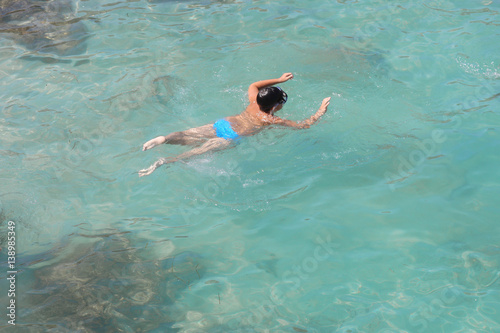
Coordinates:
[383,217]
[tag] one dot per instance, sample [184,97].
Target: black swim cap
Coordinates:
[270,97]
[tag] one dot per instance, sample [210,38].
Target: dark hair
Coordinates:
[269,97]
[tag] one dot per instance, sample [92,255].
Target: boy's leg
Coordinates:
[210,145]
[192,136]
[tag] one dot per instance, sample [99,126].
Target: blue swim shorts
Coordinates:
[224,130]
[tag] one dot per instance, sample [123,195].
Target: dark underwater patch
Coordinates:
[107,283]
[44,26]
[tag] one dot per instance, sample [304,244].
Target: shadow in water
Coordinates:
[106,284]
[44,26]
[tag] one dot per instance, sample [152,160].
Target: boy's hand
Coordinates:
[314,118]
[285,77]
[324,105]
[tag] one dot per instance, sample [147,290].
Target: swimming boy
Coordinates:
[265,100]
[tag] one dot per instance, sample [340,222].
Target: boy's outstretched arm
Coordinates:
[321,111]
[309,121]
[253,89]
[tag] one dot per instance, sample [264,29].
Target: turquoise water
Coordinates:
[383,217]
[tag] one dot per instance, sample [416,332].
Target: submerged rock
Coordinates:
[45,26]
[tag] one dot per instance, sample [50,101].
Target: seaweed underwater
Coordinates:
[107,284]
[44,26]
